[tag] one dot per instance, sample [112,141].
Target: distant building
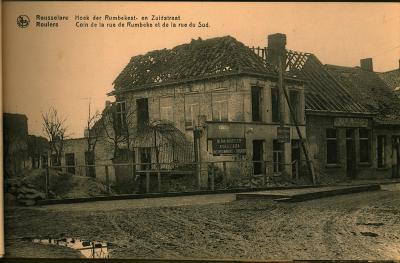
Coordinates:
[392,79]
[15,138]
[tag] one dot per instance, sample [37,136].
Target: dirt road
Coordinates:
[356,226]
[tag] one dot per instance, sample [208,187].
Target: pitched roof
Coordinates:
[323,92]
[370,90]
[391,78]
[195,60]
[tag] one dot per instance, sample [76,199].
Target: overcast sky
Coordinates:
[68,67]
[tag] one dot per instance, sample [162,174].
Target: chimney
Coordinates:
[276,48]
[108,103]
[366,64]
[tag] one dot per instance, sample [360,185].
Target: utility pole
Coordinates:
[282,89]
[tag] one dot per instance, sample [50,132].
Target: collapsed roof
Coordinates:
[195,60]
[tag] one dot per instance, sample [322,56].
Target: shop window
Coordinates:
[277,156]
[275,105]
[256,103]
[294,98]
[220,107]
[381,147]
[332,153]
[166,109]
[364,136]
[191,110]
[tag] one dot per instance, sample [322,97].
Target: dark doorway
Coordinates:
[350,154]
[296,156]
[396,157]
[258,156]
[256,103]
[70,162]
[145,158]
[142,107]
[89,161]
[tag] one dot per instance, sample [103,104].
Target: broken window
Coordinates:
[256,103]
[277,151]
[294,98]
[191,110]
[364,136]
[381,147]
[219,106]
[121,115]
[166,109]
[331,146]
[275,105]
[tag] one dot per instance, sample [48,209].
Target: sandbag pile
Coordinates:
[25,193]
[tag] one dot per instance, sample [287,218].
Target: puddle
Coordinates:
[89,249]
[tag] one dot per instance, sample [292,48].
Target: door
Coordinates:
[70,162]
[258,156]
[350,154]
[142,106]
[296,154]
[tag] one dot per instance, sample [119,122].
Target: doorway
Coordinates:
[258,156]
[70,162]
[396,156]
[296,155]
[350,154]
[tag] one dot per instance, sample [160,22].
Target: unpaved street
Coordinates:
[356,226]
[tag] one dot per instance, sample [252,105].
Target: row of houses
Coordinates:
[218,100]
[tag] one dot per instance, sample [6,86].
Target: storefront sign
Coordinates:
[228,146]
[350,122]
[283,134]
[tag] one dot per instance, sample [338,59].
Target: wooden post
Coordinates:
[147,181]
[107,179]
[159,177]
[225,179]
[294,117]
[47,181]
[212,177]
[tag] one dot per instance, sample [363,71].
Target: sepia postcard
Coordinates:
[201,131]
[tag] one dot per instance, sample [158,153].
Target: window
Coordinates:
[166,109]
[331,146]
[381,147]
[277,151]
[121,115]
[191,110]
[219,106]
[142,106]
[55,160]
[275,105]
[294,97]
[256,103]
[364,145]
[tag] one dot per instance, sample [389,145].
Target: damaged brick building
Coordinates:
[217,100]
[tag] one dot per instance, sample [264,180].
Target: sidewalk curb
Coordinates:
[168,194]
[328,193]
